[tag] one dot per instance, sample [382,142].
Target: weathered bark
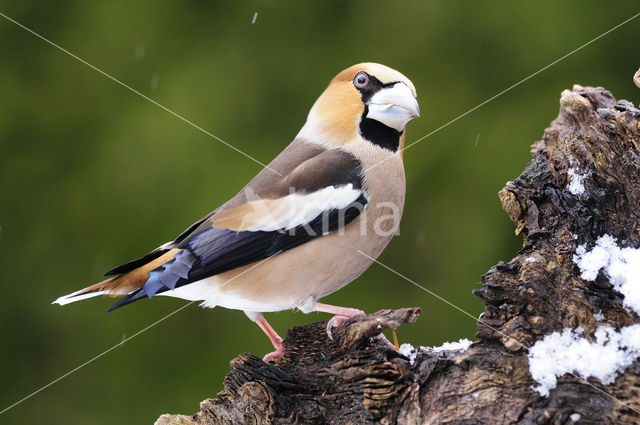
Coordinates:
[357,378]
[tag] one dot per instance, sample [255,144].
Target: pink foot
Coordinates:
[334,322]
[276,355]
[342,314]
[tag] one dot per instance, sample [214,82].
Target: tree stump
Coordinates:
[583,182]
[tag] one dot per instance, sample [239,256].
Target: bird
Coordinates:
[309,223]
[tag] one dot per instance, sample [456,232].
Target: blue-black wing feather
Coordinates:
[206,251]
[212,251]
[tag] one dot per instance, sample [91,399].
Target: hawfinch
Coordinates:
[309,223]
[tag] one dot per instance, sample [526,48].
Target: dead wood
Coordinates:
[356,378]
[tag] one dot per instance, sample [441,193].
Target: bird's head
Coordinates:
[368,100]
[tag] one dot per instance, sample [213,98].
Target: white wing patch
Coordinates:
[166,245]
[297,209]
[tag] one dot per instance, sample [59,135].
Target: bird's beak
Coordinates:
[394,106]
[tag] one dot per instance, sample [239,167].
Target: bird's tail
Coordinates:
[129,282]
[113,287]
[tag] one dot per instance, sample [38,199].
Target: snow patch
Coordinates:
[411,352]
[621,265]
[460,345]
[575,417]
[576,185]
[567,352]
[530,259]
[408,351]
[599,316]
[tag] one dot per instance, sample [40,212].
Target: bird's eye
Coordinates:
[361,80]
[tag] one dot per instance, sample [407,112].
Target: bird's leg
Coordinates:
[341,315]
[273,337]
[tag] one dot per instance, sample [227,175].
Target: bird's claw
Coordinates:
[384,339]
[333,322]
[338,320]
[273,356]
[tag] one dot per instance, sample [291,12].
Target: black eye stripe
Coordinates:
[372,87]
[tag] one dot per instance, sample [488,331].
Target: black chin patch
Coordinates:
[379,134]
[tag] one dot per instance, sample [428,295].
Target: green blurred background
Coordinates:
[93,175]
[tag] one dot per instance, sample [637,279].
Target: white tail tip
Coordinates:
[73,297]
